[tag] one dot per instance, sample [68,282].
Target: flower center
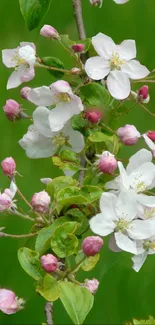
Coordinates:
[18,60]
[64,97]
[149,245]
[60,139]
[122,225]
[149,212]
[116,62]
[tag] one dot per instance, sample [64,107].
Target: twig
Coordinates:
[24,216]
[146,110]
[49,313]
[82,171]
[78,18]
[21,236]
[52,68]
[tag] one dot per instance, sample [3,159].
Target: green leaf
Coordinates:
[64,242]
[49,288]
[56,63]
[33,11]
[43,239]
[90,262]
[79,123]
[66,41]
[29,260]
[92,193]
[77,215]
[59,183]
[66,165]
[69,155]
[111,141]
[150,321]
[68,196]
[99,137]
[77,301]
[95,94]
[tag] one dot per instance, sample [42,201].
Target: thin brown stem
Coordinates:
[49,313]
[21,236]
[78,18]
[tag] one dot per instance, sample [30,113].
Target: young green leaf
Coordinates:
[90,262]
[59,183]
[56,63]
[34,11]
[49,288]
[95,94]
[77,301]
[29,260]
[68,196]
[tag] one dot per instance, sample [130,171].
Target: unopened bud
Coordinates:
[49,32]
[143,92]
[5,202]
[8,166]
[40,202]
[92,245]
[151,135]
[91,285]
[128,135]
[12,109]
[25,92]
[78,48]
[75,71]
[107,162]
[93,116]
[49,263]
[9,303]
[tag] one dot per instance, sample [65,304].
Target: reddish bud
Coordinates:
[12,109]
[128,135]
[92,245]
[49,32]
[93,116]
[25,92]
[49,263]
[107,162]
[143,92]
[151,135]
[91,285]
[40,202]
[78,48]
[8,166]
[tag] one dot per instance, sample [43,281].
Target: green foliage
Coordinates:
[33,11]
[68,196]
[79,123]
[59,183]
[64,242]
[95,94]
[56,63]
[49,288]
[111,141]
[77,301]
[90,262]
[92,193]
[67,42]
[67,160]
[150,321]
[29,260]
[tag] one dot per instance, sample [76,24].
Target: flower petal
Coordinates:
[141,178]
[125,243]
[9,57]
[20,75]
[120,2]
[76,139]
[127,50]
[138,159]
[101,225]
[104,45]
[126,205]
[114,184]
[97,68]
[118,84]
[142,229]
[61,86]
[138,261]
[146,200]
[124,176]
[112,244]
[107,204]
[135,70]
[41,122]
[41,96]
[149,142]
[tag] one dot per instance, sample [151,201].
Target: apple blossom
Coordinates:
[78,48]
[41,142]
[9,303]
[106,163]
[118,216]
[151,135]
[143,92]
[91,245]
[6,198]
[49,32]
[22,59]
[24,92]
[93,116]
[116,62]
[61,96]
[49,263]
[40,202]
[12,109]
[144,248]
[128,134]
[8,166]
[91,285]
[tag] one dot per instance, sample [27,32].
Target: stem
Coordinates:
[49,313]
[21,236]
[109,129]
[143,80]
[78,18]
[53,68]
[146,110]
[23,216]
[82,171]
[77,266]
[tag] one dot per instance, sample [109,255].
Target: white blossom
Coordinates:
[117,63]
[144,248]
[22,59]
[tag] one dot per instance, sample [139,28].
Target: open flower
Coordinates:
[144,248]
[118,216]
[6,198]
[116,62]
[40,141]
[60,95]
[9,303]
[22,59]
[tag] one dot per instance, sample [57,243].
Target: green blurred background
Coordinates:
[122,294]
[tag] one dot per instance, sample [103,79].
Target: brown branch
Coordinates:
[79,19]
[49,313]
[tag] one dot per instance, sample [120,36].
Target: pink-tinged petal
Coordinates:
[149,142]
[41,121]
[104,45]
[20,75]
[112,244]
[61,86]
[76,139]
[138,159]
[101,226]
[9,57]
[118,84]
[127,50]
[138,261]
[28,75]
[41,96]
[28,43]
[135,70]
[142,229]
[125,243]
[97,68]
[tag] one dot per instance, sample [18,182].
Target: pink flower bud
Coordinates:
[25,92]
[143,92]
[151,135]
[107,163]
[49,32]
[49,263]
[93,116]
[9,303]
[11,109]
[91,285]
[75,71]
[5,202]
[92,245]
[78,48]
[8,166]
[40,202]
[128,135]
